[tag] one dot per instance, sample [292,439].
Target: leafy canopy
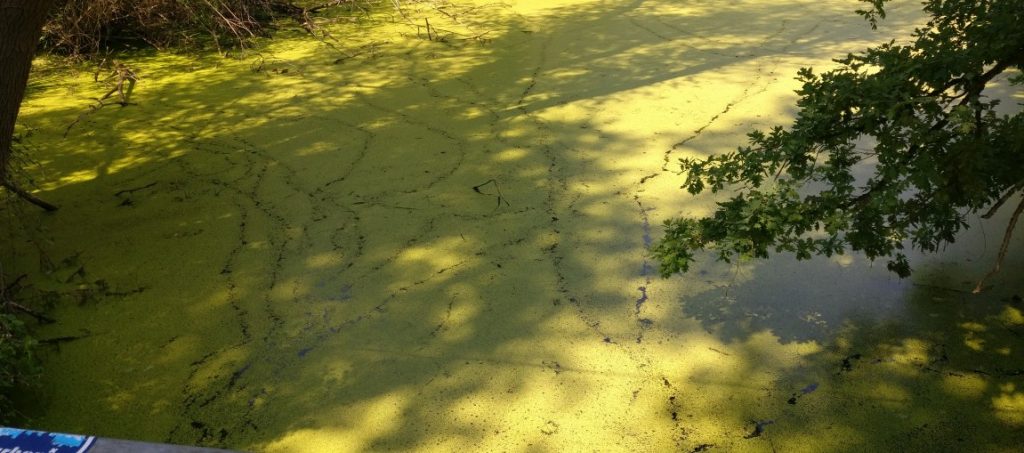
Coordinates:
[937,152]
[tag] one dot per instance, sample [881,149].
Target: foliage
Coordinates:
[18,365]
[936,149]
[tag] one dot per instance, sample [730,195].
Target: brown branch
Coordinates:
[970,92]
[999,203]
[27,196]
[910,155]
[123,75]
[987,77]
[1003,248]
[92,108]
[398,6]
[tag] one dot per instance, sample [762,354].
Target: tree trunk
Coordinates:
[21,23]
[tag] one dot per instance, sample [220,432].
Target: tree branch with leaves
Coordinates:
[938,150]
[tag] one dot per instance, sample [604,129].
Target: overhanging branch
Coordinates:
[1003,248]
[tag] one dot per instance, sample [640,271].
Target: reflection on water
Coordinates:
[400,242]
[798,300]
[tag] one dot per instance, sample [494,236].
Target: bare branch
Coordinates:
[1003,248]
[999,203]
[27,196]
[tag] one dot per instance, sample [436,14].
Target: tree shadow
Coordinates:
[397,243]
[878,362]
[944,375]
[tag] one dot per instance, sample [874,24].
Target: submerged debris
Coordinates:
[847,365]
[553,366]
[549,428]
[808,389]
[643,298]
[759,426]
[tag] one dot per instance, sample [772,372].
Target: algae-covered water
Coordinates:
[398,241]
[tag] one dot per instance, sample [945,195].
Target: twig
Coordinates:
[65,339]
[441,10]
[480,37]
[398,6]
[501,198]
[1003,248]
[316,9]
[133,190]
[41,318]
[92,108]
[6,302]
[370,48]
[7,289]
[999,203]
[123,75]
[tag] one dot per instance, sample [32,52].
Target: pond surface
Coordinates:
[401,241]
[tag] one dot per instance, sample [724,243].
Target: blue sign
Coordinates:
[13,440]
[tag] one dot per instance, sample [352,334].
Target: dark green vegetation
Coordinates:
[915,116]
[17,362]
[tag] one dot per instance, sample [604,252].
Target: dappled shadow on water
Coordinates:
[944,374]
[398,243]
[796,301]
[883,363]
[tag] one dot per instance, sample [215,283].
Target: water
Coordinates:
[399,243]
